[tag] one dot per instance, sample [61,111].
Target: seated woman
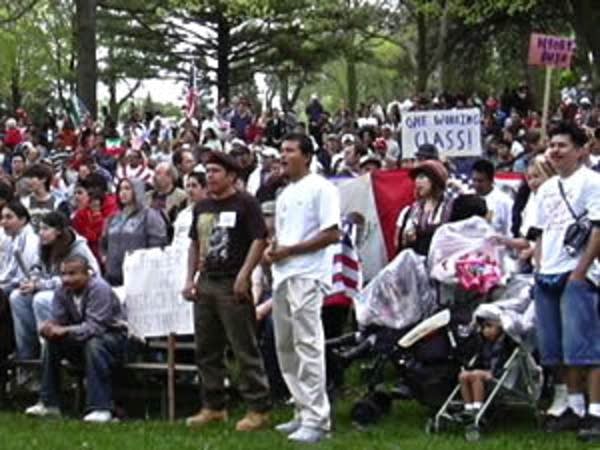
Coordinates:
[23,253]
[31,302]
[93,209]
[135,227]
[417,222]
[14,219]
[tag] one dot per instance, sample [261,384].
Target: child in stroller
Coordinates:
[495,349]
[503,373]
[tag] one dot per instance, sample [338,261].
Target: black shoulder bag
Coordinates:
[577,233]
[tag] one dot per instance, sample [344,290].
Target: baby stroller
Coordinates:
[401,302]
[519,382]
[417,324]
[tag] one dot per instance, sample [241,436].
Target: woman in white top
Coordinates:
[15,219]
[538,171]
[211,140]
[195,187]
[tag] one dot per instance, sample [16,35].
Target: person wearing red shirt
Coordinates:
[93,208]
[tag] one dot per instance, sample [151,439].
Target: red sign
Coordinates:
[551,51]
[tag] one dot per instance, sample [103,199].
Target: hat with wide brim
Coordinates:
[435,170]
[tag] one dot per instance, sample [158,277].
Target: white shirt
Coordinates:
[77,299]
[499,206]
[302,210]
[528,215]
[582,190]
[181,227]
[516,148]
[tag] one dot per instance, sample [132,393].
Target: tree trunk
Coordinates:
[585,16]
[352,83]
[422,61]
[113,104]
[15,88]
[223,52]
[87,72]
[284,88]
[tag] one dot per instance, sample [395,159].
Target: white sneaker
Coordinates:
[99,416]
[560,402]
[41,410]
[308,435]
[288,427]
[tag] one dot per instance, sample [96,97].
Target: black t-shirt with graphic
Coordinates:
[224,231]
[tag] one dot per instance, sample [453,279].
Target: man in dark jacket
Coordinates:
[87,327]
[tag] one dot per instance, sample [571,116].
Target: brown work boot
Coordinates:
[253,421]
[206,416]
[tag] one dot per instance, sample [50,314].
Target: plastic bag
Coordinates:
[452,242]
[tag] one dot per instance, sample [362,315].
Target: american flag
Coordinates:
[191,99]
[347,271]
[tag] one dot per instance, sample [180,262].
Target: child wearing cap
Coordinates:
[489,362]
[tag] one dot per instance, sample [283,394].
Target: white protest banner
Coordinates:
[455,132]
[154,279]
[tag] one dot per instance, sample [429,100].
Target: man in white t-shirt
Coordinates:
[307,220]
[567,304]
[498,203]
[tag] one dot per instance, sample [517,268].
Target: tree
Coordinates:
[86,70]
[133,52]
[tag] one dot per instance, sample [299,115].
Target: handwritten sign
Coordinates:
[455,132]
[154,279]
[551,51]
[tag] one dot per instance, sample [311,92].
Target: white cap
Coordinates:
[270,152]
[199,168]
[368,158]
[238,141]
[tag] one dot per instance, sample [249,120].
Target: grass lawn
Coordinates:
[402,429]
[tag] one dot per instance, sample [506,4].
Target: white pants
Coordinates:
[300,346]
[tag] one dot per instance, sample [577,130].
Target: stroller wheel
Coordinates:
[431,427]
[472,433]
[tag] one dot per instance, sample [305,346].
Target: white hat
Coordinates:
[238,141]
[199,168]
[370,158]
[270,152]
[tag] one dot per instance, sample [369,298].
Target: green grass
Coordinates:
[402,429]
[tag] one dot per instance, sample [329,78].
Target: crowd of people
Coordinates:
[249,194]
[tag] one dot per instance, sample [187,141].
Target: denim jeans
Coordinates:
[28,312]
[567,321]
[99,355]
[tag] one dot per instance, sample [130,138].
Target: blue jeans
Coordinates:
[28,312]
[568,321]
[99,355]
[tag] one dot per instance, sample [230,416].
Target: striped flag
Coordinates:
[78,112]
[347,271]
[191,99]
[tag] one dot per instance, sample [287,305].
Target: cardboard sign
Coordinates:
[551,51]
[154,279]
[455,132]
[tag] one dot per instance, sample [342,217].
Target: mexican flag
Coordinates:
[375,200]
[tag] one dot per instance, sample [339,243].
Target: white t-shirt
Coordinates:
[302,210]
[528,215]
[500,209]
[181,227]
[516,148]
[582,189]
